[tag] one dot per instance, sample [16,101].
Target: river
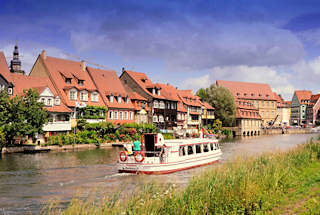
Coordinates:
[29,181]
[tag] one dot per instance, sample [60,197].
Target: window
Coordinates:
[262,114]
[43,101]
[155,118]
[182,151]
[119,99]
[49,102]
[190,150]
[155,104]
[127,100]
[68,80]
[198,149]
[211,146]
[10,91]
[94,97]
[111,98]
[57,101]
[84,95]
[130,115]
[267,114]
[158,92]
[73,94]
[80,82]
[126,115]
[252,94]
[238,94]
[161,119]
[116,115]
[245,94]
[179,116]
[120,115]
[162,105]
[110,114]
[205,148]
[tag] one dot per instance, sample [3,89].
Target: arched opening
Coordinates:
[244,133]
[255,133]
[251,133]
[248,133]
[234,133]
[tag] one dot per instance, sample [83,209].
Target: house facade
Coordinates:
[193,106]
[141,108]
[73,84]
[5,80]
[259,94]
[207,114]
[114,95]
[299,103]
[161,109]
[312,110]
[283,111]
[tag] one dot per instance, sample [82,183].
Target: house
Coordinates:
[248,119]
[312,109]
[193,106]
[207,114]
[73,84]
[259,94]
[141,108]
[283,111]
[114,95]
[5,80]
[300,100]
[162,109]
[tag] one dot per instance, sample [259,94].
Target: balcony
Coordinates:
[57,126]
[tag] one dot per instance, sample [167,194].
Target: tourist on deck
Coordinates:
[163,153]
[136,145]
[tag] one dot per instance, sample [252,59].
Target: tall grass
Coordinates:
[244,186]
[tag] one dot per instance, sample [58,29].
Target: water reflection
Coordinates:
[28,181]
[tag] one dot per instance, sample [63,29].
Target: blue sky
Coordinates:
[186,43]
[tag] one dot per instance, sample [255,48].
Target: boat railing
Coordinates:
[149,157]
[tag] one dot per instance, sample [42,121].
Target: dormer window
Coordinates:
[84,95]
[260,95]
[127,100]
[119,99]
[73,94]
[94,97]
[245,94]
[159,92]
[252,94]
[80,82]
[49,103]
[153,91]
[57,101]
[10,91]
[68,80]
[143,80]
[267,96]
[111,98]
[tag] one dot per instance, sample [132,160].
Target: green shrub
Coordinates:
[167,136]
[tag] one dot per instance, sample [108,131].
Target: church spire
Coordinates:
[15,63]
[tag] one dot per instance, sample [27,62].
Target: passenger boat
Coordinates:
[159,156]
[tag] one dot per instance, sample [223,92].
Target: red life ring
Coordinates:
[139,158]
[123,156]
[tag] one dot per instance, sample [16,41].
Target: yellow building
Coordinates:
[260,95]
[207,114]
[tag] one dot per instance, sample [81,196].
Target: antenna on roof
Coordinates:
[88,61]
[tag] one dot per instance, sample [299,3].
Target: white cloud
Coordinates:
[196,82]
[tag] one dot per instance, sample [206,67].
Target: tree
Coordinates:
[223,102]
[203,93]
[21,115]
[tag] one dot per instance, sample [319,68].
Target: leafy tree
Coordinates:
[217,126]
[203,93]
[21,115]
[2,140]
[223,102]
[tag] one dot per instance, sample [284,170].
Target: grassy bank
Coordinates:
[282,182]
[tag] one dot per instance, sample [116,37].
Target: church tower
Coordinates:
[15,63]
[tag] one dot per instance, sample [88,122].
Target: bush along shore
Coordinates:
[277,183]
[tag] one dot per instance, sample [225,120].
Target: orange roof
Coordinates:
[136,96]
[188,98]
[180,107]
[108,83]
[59,109]
[248,90]
[303,96]
[59,69]
[207,105]
[314,98]
[144,82]
[169,92]
[4,68]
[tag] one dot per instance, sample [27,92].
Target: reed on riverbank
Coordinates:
[267,184]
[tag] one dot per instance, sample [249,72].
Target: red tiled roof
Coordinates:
[4,68]
[169,92]
[194,113]
[180,107]
[303,95]
[207,105]
[109,83]
[136,96]
[314,98]
[188,98]
[60,68]
[248,90]
[144,82]
[59,108]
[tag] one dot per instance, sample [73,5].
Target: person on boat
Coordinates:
[136,145]
[163,153]
[128,148]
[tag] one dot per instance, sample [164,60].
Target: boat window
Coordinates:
[190,150]
[217,146]
[211,146]
[205,148]
[198,148]
[182,151]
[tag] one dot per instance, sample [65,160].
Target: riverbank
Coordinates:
[283,182]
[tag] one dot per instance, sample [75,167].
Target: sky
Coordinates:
[187,43]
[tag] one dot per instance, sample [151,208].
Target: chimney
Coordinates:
[83,65]
[44,54]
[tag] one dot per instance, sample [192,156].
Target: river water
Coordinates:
[29,181]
